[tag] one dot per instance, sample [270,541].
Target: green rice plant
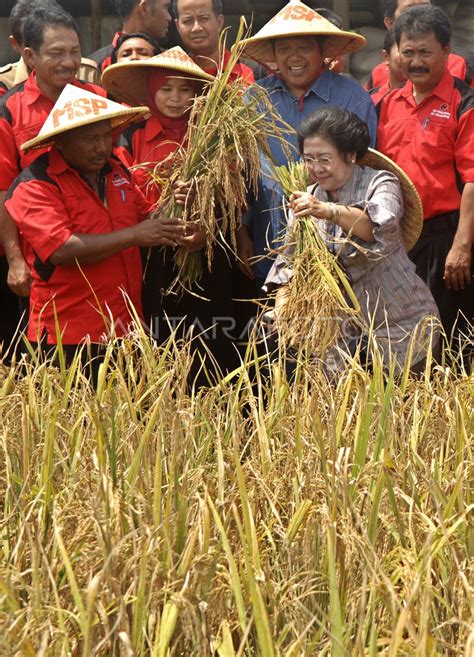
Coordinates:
[256,517]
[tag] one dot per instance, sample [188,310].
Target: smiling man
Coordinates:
[52,52]
[427,128]
[393,9]
[296,41]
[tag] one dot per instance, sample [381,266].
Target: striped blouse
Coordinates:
[393,298]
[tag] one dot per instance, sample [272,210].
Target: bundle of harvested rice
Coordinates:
[228,130]
[319,296]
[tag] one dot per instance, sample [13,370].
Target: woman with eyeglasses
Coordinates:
[359,211]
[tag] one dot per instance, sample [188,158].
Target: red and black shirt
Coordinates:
[23,110]
[433,142]
[50,201]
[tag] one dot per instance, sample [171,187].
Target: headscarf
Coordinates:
[174,127]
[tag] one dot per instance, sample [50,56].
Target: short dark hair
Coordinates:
[20,12]
[134,35]
[328,14]
[125,7]
[389,7]
[421,20]
[389,40]
[217,7]
[40,20]
[344,129]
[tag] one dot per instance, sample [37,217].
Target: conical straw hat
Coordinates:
[297,19]
[128,80]
[77,107]
[412,220]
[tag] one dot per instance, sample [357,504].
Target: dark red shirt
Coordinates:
[379,92]
[49,202]
[23,110]
[457,66]
[146,144]
[433,141]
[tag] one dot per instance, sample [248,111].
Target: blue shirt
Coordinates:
[265,217]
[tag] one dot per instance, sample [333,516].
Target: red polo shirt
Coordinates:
[23,110]
[433,141]
[146,143]
[457,66]
[49,202]
[377,93]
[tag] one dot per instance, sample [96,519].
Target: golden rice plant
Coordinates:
[319,293]
[258,517]
[227,132]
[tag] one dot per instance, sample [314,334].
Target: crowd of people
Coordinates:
[84,249]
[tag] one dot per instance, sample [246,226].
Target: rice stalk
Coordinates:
[227,132]
[319,294]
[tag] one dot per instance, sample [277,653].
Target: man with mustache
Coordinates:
[427,127]
[393,9]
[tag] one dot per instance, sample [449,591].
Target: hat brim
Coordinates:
[261,48]
[128,81]
[412,220]
[118,119]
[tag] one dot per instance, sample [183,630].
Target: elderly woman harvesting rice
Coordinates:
[359,213]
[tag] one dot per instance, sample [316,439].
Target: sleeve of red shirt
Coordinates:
[41,216]
[9,163]
[464,148]
[144,207]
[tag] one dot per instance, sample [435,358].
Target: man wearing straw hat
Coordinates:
[427,128]
[296,41]
[83,220]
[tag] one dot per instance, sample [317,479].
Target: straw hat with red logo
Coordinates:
[77,107]
[297,19]
[128,81]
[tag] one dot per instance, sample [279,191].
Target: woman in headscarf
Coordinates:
[167,84]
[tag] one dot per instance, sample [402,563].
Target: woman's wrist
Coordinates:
[333,213]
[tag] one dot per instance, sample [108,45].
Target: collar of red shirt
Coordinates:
[58,165]
[443,89]
[34,92]
[153,128]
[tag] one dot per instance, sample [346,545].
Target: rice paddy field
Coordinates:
[253,518]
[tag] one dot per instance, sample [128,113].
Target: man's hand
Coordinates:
[457,268]
[245,251]
[19,277]
[194,237]
[159,231]
[184,193]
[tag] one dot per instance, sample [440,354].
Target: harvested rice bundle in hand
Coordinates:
[310,308]
[227,132]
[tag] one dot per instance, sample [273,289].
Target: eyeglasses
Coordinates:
[324,161]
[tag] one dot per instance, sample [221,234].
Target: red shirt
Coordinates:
[49,202]
[146,143]
[379,92]
[457,66]
[433,141]
[23,110]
